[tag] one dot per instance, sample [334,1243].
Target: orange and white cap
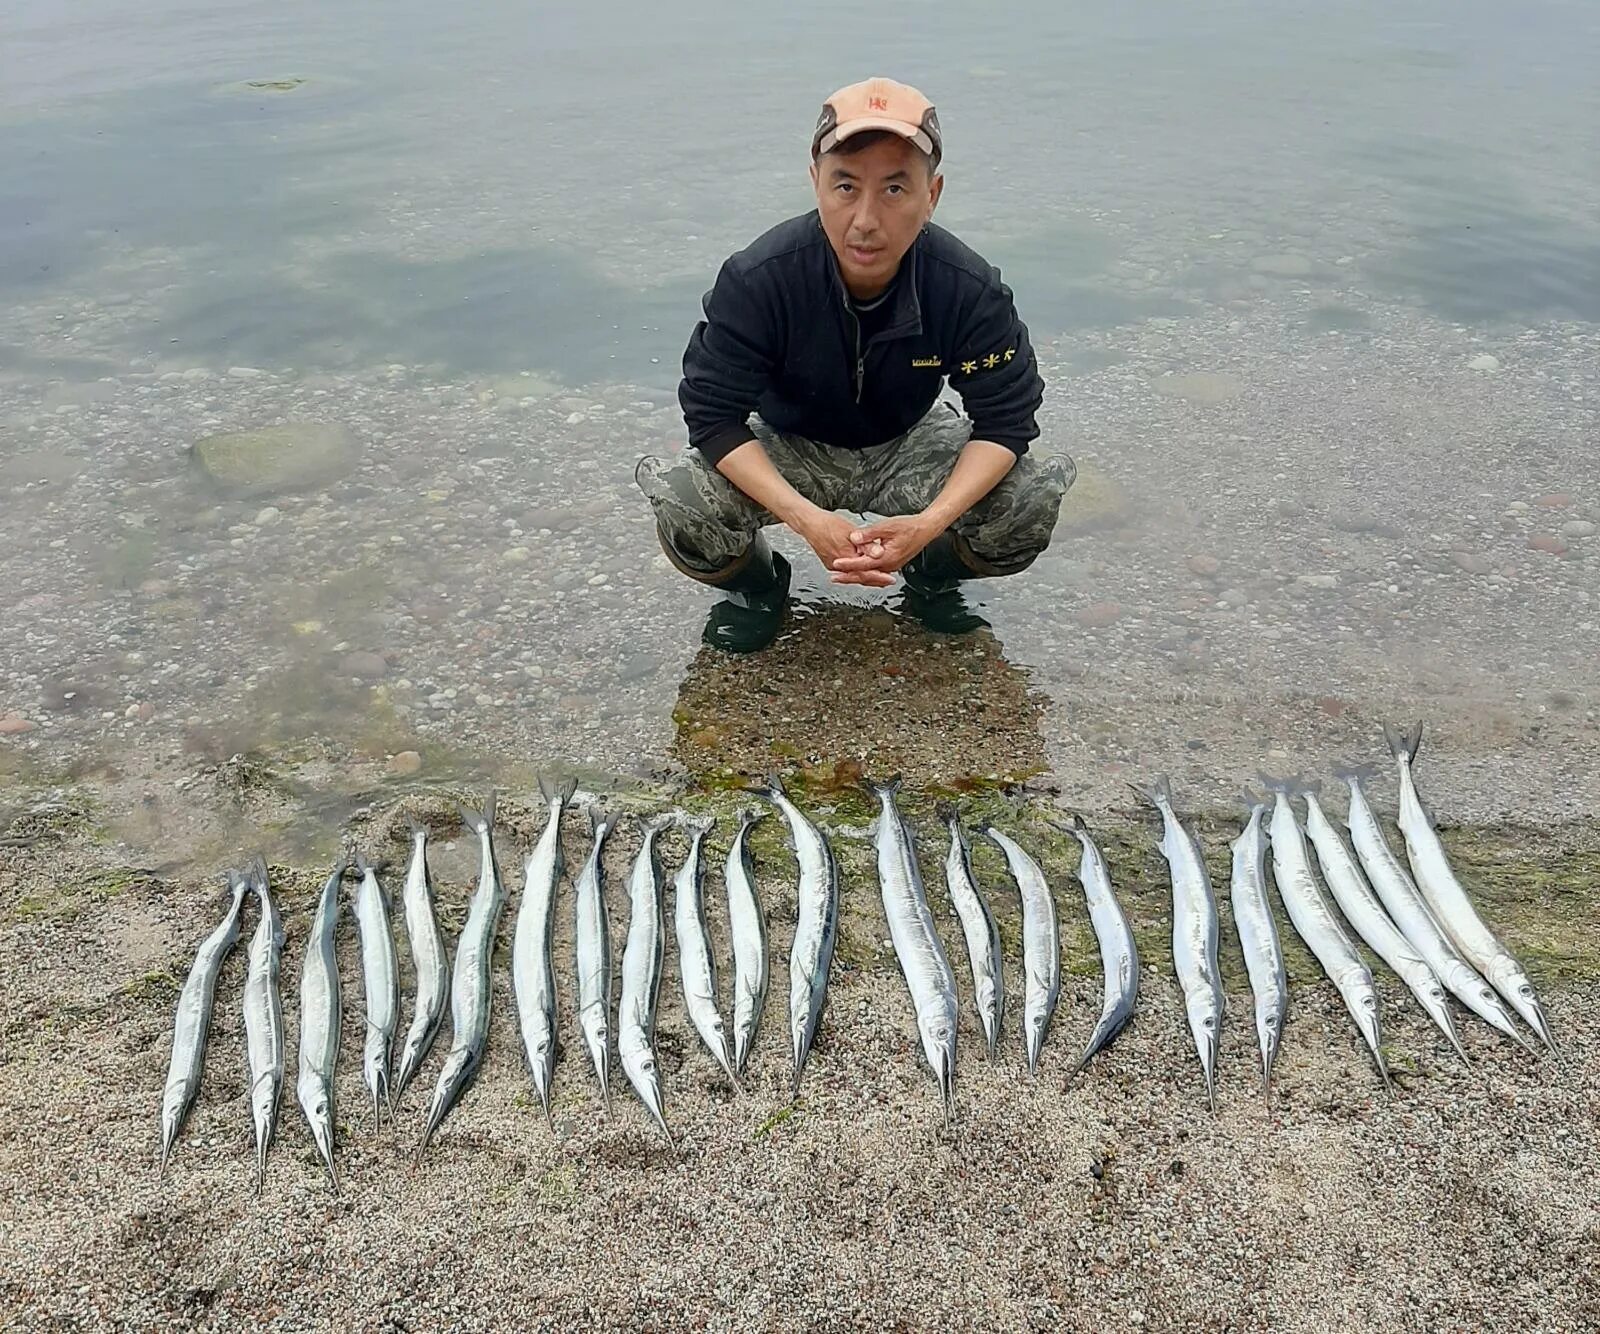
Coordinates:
[878,104]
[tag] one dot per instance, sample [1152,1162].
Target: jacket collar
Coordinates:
[905,312]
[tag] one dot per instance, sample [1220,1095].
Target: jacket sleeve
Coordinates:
[730,359]
[995,372]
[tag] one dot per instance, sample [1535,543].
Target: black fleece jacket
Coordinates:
[780,338]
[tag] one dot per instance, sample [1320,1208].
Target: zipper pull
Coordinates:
[861,373]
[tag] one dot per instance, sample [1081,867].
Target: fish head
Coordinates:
[1509,980]
[938,1034]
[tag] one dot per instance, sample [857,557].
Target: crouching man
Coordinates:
[812,386]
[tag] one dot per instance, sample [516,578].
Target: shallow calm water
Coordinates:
[1316,289]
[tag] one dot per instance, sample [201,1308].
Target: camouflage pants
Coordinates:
[710,522]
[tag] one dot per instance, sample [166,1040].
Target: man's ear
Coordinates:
[934,192]
[814,182]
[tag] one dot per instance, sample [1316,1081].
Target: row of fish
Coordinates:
[1424,928]
[1420,921]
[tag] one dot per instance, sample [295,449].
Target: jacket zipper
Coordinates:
[861,357]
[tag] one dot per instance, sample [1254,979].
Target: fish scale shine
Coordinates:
[263,1019]
[1258,937]
[747,929]
[1041,946]
[320,1022]
[697,967]
[592,948]
[1316,925]
[916,942]
[979,927]
[533,980]
[431,963]
[380,976]
[1119,955]
[642,954]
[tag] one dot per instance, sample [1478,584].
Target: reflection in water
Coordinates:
[847,689]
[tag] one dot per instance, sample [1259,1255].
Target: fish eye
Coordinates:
[1208,1023]
[1371,1002]
[1525,990]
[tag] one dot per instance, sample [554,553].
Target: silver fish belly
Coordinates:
[470,987]
[263,1019]
[593,950]
[916,942]
[697,967]
[1444,894]
[642,953]
[320,1022]
[193,1022]
[1119,956]
[1194,933]
[1363,911]
[533,976]
[431,962]
[1314,921]
[1410,911]
[979,928]
[1258,937]
[380,976]
[816,925]
[747,929]
[1041,946]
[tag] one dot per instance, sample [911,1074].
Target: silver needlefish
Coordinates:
[916,942]
[1449,901]
[593,950]
[470,987]
[642,953]
[533,975]
[697,964]
[193,1023]
[1119,956]
[428,956]
[1041,945]
[1258,936]
[1410,911]
[1363,911]
[816,925]
[747,929]
[978,926]
[263,1019]
[320,1022]
[1194,931]
[380,980]
[1314,920]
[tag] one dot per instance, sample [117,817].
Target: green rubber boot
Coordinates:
[755,591]
[933,596]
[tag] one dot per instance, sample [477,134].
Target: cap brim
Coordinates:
[848,129]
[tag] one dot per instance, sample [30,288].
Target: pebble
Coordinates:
[516,555]
[1472,563]
[267,517]
[595,580]
[1484,362]
[15,725]
[1199,386]
[1577,528]
[245,372]
[1548,542]
[1318,580]
[1556,500]
[1098,615]
[1287,265]
[1205,567]
[364,666]
[404,763]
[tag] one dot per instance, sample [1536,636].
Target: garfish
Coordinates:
[1449,900]
[978,926]
[642,953]
[1258,936]
[533,976]
[593,949]
[263,1019]
[1041,945]
[320,1021]
[917,946]
[380,980]
[747,928]
[470,989]
[1411,912]
[1119,956]
[431,961]
[1363,911]
[194,1019]
[697,965]
[1194,931]
[816,924]
[1314,919]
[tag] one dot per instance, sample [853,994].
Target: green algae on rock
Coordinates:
[273,459]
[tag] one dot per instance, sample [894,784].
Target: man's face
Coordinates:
[873,203]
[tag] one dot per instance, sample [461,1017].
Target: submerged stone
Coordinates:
[273,459]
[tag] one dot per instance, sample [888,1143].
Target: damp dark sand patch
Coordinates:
[868,691]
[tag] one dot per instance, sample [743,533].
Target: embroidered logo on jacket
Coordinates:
[988,363]
[927,361]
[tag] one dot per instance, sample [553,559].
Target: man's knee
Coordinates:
[698,527]
[1014,523]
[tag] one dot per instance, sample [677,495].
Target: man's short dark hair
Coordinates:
[857,143]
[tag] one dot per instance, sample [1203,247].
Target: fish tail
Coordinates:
[772,785]
[1404,745]
[416,828]
[1079,825]
[1158,791]
[1355,772]
[552,789]
[258,873]
[480,822]
[751,815]
[946,810]
[891,785]
[600,820]
[657,824]
[1294,785]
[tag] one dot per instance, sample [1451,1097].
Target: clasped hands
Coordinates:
[870,555]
